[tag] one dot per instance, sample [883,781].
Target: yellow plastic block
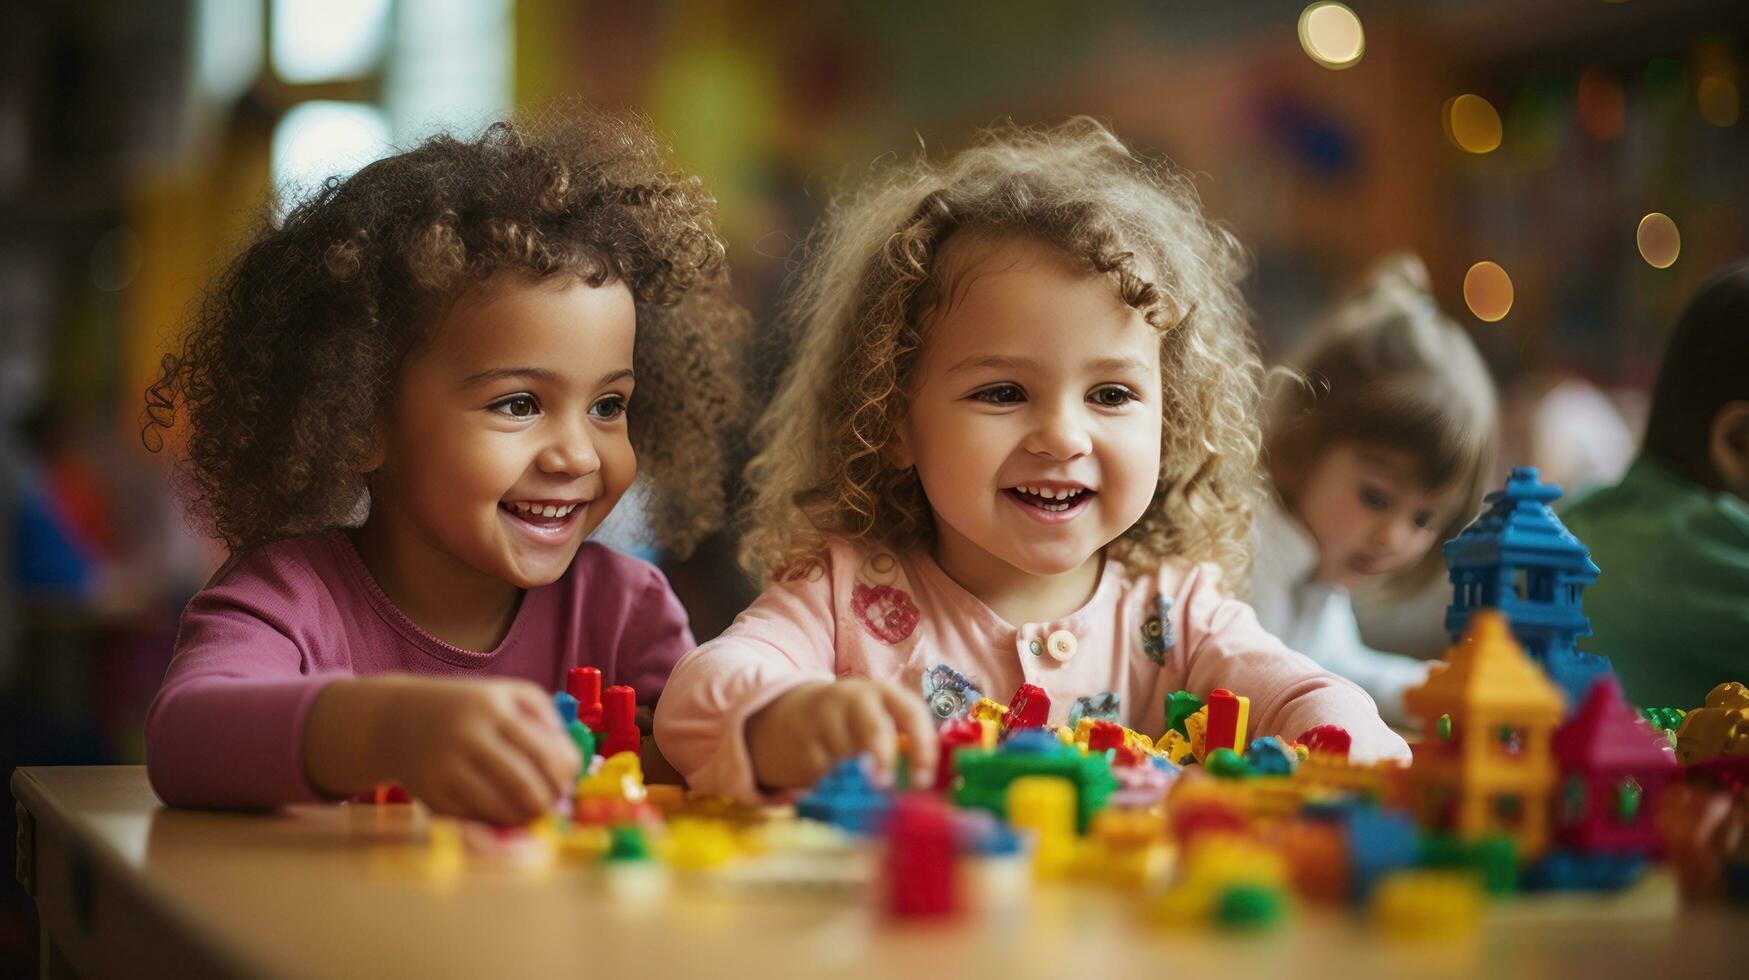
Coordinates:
[1197,727]
[620,777]
[1428,904]
[987,710]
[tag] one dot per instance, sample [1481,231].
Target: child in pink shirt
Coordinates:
[1018,440]
[406,407]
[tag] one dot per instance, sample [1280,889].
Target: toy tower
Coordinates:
[1485,767]
[1612,775]
[1518,558]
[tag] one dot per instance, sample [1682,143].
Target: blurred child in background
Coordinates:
[1671,607]
[1378,447]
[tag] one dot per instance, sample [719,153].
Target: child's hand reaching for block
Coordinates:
[489,750]
[800,736]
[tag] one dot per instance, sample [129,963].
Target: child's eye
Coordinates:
[1424,520]
[1002,394]
[1373,499]
[1112,396]
[609,408]
[516,407]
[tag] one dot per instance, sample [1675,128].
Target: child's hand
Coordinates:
[799,737]
[486,750]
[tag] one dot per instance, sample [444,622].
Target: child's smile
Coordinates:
[1034,424]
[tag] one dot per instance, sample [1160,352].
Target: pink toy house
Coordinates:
[1612,773]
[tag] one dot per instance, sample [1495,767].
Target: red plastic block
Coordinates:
[920,859]
[1104,735]
[955,735]
[1326,738]
[1030,708]
[1227,717]
[619,721]
[584,684]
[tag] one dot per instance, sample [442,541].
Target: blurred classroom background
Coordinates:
[1570,170]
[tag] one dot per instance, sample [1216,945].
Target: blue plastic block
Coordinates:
[1573,871]
[1033,741]
[567,706]
[1268,757]
[847,800]
[1379,842]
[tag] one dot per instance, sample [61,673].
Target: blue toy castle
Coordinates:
[1518,558]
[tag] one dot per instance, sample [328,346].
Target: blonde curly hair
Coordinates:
[871,277]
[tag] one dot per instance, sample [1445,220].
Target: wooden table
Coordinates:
[127,887]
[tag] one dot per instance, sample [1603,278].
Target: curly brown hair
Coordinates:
[859,315]
[296,350]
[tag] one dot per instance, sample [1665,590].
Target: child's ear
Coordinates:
[1728,447]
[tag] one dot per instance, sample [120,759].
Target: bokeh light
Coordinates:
[1659,240]
[1602,106]
[1718,100]
[1472,124]
[1332,36]
[1488,292]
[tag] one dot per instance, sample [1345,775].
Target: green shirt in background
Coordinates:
[1671,607]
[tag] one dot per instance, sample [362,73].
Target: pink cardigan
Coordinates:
[873,614]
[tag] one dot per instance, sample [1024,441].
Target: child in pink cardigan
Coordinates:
[1019,440]
[460,345]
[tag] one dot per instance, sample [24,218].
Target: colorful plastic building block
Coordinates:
[961,733]
[1044,807]
[1196,727]
[584,739]
[1322,739]
[619,721]
[1175,748]
[699,845]
[566,705]
[985,709]
[1721,727]
[1270,756]
[1317,858]
[847,799]
[1379,842]
[619,777]
[1030,708]
[985,775]
[1493,860]
[1517,558]
[1179,706]
[1226,764]
[1494,774]
[1423,905]
[1564,870]
[1613,775]
[1228,716]
[920,881]
[584,684]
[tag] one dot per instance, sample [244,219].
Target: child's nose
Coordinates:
[1060,434]
[571,454]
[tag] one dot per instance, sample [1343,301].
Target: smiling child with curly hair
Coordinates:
[406,407]
[1017,445]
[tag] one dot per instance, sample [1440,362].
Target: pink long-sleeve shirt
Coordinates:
[276,625]
[863,614]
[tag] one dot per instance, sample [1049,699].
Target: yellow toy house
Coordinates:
[1484,767]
